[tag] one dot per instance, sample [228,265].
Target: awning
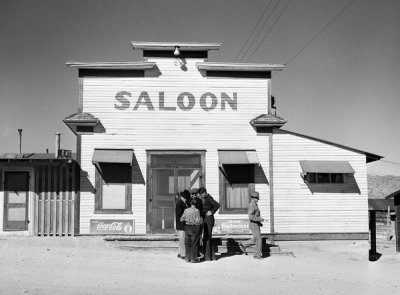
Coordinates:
[112,156]
[238,157]
[326,167]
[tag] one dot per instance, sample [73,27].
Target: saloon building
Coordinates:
[147,130]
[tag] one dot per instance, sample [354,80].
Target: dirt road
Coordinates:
[88,265]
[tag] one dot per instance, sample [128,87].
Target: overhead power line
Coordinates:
[321,31]
[254,29]
[262,28]
[269,31]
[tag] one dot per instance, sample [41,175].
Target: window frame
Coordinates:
[223,182]
[99,181]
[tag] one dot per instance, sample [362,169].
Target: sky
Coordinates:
[341,81]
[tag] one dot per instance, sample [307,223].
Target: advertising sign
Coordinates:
[111,226]
[231,226]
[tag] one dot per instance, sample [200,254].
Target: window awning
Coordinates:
[238,157]
[112,156]
[326,167]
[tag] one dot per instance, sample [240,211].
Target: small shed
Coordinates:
[38,194]
[395,197]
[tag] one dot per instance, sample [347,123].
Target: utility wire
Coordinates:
[254,29]
[262,28]
[321,31]
[273,25]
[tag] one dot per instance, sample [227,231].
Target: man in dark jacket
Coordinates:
[210,206]
[181,205]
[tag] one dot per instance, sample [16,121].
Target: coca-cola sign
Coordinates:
[111,226]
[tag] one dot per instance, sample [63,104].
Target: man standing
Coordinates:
[191,216]
[180,207]
[210,206]
[254,225]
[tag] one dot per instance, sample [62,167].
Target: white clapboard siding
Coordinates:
[297,209]
[196,129]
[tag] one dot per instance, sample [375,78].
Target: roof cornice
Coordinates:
[183,46]
[252,67]
[112,65]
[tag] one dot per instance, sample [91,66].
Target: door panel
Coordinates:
[163,201]
[176,174]
[16,193]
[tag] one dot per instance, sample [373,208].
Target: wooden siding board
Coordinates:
[297,209]
[143,130]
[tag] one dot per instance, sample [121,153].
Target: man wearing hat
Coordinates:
[254,225]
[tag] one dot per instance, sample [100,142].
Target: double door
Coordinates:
[168,179]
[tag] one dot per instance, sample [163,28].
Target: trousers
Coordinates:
[255,239]
[192,238]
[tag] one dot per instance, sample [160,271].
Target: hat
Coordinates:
[185,194]
[194,191]
[254,194]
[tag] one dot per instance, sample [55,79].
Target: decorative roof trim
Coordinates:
[111,65]
[268,120]
[219,66]
[183,46]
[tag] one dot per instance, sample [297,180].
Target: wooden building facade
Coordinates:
[150,129]
[38,193]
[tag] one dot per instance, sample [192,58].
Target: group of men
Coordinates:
[195,211]
[195,218]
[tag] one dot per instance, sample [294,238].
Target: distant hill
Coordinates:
[381,186]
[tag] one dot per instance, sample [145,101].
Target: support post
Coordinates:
[372,230]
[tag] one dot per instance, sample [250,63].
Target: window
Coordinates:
[236,182]
[113,188]
[325,177]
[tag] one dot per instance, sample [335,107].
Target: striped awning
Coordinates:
[326,167]
[237,157]
[112,156]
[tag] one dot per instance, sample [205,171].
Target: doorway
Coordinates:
[16,200]
[169,175]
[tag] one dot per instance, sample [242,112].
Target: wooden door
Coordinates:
[16,198]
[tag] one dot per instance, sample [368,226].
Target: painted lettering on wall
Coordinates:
[185,101]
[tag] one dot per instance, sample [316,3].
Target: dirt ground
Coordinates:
[89,265]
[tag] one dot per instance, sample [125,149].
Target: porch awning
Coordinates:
[237,157]
[112,156]
[326,167]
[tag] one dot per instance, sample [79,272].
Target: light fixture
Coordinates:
[176,51]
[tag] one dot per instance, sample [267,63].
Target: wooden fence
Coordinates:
[55,200]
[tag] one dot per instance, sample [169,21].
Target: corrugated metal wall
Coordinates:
[143,129]
[55,197]
[298,209]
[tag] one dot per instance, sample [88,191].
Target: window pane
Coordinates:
[16,197]
[116,173]
[239,173]
[113,196]
[311,177]
[163,183]
[188,178]
[16,214]
[337,178]
[237,196]
[323,177]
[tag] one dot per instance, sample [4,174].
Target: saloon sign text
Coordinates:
[185,101]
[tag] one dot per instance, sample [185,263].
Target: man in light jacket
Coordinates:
[254,225]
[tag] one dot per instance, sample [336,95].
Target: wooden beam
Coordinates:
[372,230]
[397,224]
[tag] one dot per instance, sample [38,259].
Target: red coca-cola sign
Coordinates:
[111,226]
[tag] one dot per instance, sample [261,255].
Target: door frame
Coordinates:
[30,203]
[150,153]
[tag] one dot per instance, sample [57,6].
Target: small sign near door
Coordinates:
[111,226]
